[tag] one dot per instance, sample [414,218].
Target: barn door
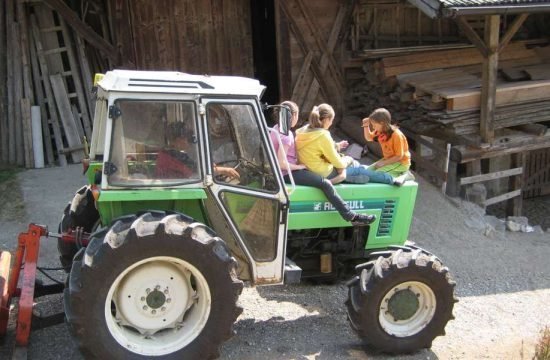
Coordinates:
[310,37]
[537,174]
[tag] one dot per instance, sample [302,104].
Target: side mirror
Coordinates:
[283,117]
[285,120]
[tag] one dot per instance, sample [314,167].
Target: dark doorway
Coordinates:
[264,48]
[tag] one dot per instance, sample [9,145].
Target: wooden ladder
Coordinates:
[63,91]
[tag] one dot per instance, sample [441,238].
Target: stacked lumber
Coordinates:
[440,90]
[47,68]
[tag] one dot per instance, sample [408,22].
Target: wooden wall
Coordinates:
[204,36]
[310,43]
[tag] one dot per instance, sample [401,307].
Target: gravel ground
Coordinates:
[503,283]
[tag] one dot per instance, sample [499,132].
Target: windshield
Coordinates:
[153,143]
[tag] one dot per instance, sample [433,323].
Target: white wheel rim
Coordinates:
[400,315]
[157,306]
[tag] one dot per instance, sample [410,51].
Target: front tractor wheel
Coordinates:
[401,302]
[154,285]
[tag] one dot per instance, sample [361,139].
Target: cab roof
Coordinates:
[179,83]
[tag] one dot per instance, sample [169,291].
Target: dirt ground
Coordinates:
[503,284]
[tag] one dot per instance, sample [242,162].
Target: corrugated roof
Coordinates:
[466,3]
[452,8]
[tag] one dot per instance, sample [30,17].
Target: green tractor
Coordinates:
[174,235]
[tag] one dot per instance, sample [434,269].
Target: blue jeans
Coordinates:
[309,178]
[361,174]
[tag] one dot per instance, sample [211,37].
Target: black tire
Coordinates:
[159,241]
[66,250]
[399,303]
[85,215]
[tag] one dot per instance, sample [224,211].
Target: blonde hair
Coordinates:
[320,113]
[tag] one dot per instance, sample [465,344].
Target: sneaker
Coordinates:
[360,219]
[398,182]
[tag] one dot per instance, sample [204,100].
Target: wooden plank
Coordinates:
[77,82]
[505,94]
[86,75]
[283,52]
[538,72]
[64,108]
[48,91]
[27,133]
[453,58]
[40,99]
[27,85]
[4,136]
[18,95]
[491,176]
[10,57]
[503,197]
[300,87]
[49,40]
[82,28]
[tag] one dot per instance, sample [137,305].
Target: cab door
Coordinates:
[246,183]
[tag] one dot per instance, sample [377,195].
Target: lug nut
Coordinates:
[153,312]
[143,298]
[145,308]
[168,300]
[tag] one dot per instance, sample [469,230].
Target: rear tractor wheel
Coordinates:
[153,285]
[80,212]
[400,303]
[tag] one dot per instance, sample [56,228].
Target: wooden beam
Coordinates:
[503,197]
[472,35]
[465,154]
[512,31]
[82,28]
[489,79]
[491,176]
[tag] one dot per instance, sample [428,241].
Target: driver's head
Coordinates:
[178,135]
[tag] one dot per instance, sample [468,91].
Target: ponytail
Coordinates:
[319,114]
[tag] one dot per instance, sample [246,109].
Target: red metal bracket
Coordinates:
[28,246]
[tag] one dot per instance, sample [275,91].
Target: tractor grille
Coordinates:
[386,218]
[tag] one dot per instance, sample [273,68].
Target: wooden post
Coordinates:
[28,95]
[514,206]
[489,78]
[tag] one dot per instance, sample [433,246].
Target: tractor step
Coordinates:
[293,273]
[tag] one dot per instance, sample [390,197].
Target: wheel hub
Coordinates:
[157,306]
[407,308]
[152,297]
[403,304]
[156,299]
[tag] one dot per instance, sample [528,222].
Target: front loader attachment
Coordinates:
[19,281]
